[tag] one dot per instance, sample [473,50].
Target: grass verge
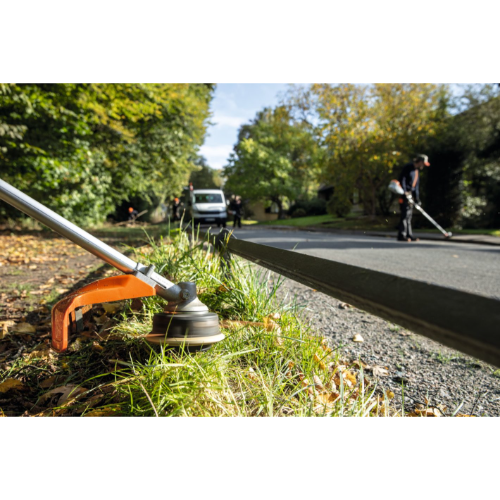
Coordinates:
[270,364]
[301,221]
[388,223]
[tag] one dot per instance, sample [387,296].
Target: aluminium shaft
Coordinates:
[60,225]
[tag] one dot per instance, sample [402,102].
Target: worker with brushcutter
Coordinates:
[410,180]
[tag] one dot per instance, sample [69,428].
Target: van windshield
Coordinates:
[207,198]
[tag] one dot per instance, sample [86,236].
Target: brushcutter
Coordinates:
[395,187]
[185,323]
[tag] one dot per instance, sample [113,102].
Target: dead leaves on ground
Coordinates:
[4,327]
[68,394]
[344,305]
[10,384]
[30,250]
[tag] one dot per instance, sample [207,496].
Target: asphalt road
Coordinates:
[471,267]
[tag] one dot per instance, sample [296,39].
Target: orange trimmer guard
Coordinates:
[110,289]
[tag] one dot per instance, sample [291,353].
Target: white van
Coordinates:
[208,205]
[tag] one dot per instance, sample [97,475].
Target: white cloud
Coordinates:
[228,121]
[216,155]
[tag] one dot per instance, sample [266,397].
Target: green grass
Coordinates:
[133,232]
[301,221]
[253,372]
[359,223]
[279,367]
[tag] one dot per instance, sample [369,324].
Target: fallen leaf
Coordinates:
[136,305]
[344,305]
[113,307]
[11,383]
[358,338]
[99,414]
[4,327]
[320,362]
[101,320]
[305,383]
[24,328]
[33,267]
[62,290]
[351,377]
[97,347]
[380,371]
[43,352]
[428,412]
[389,394]
[67,391]
[360,364]
[269,324]
[252,375]
[462,415]
[48,382]
[328,399]
[317,382]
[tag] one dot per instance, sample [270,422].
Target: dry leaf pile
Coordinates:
[31,251]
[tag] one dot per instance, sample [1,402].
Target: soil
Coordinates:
[417,369]
[37,270]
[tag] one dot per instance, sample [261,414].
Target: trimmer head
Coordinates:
[186,330]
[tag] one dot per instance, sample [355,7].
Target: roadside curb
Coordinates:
[458,239]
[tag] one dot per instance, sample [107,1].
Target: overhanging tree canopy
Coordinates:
[84,148]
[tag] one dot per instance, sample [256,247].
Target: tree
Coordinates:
[367,130]
[474,133]
[84,148]
[273,158]
[205,177]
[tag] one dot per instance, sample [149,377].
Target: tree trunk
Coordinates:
[372,202]
[280,206]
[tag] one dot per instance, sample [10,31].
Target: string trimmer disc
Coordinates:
[191,331]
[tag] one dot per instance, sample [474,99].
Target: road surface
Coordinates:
[470,267]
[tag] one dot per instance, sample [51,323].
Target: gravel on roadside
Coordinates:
[416,369]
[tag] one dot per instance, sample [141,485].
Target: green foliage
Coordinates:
[463,184]
[369,130]
[314,206]
[273,159]
[206,177]
[269,364]
[339,205]
[82,149]
[476,132]
[298,212]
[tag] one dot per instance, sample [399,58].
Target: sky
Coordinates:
[233,105]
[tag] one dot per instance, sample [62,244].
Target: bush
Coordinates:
[300,212]
[316,206]
[339,206]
